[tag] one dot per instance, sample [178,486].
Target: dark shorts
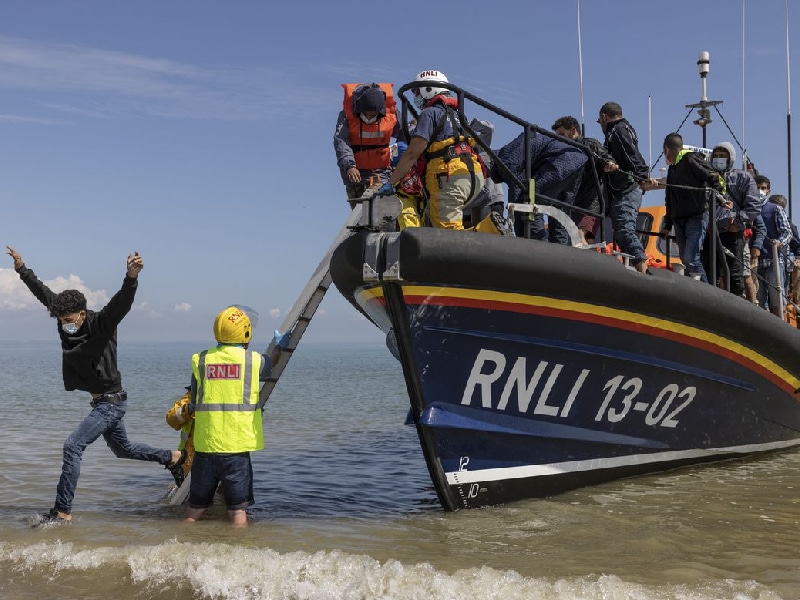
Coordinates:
[233,471]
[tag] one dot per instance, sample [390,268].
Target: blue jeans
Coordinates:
[105,420]
[624,210]
[768,297]
[689,234]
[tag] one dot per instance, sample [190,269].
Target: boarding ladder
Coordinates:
[303,309]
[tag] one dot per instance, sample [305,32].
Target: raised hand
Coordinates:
[17,258]
[135,265]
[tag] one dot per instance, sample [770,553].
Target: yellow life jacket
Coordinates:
[456,155]
[180,417]
[227,416]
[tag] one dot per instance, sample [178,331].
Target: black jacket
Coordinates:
[623,145]
[692,170]
[89,359]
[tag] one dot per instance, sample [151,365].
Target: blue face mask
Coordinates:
[719,163]
[419,101]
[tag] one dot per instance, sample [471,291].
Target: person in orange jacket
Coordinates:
[362,141]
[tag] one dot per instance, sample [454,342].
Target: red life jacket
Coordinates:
[444,99]
[370,142]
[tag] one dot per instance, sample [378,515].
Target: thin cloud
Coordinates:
[146,310]
[183,307]
[101,83]
[23,119]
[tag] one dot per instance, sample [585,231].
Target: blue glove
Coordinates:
[282,339]
[387,189]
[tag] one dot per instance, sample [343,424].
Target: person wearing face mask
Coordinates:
[741,207]
[89,364]
[362,141]
[752,244]
[687,198]
[779,236]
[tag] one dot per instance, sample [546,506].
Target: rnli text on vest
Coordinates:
[223,371]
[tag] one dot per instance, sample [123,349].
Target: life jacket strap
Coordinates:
[363,148]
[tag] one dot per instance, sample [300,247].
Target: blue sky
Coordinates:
[200,133]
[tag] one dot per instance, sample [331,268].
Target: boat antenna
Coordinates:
[580,69]
[788,114]
[744,152]
[704,115]
[704,118]
[650,133]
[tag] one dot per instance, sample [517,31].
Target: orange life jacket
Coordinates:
[370,142]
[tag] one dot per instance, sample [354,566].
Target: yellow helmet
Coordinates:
[234,325]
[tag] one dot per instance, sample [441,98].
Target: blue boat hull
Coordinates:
[533,368]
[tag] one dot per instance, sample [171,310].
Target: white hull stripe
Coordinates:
[597,464]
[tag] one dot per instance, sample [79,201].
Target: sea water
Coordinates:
[345,508]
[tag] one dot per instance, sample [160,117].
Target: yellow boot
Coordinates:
[494,223]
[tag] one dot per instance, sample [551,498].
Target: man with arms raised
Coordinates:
[89,364]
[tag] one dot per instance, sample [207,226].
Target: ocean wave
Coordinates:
[217,571]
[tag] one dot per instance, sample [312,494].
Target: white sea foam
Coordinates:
[228,572]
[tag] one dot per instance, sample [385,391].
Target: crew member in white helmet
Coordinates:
[453,173]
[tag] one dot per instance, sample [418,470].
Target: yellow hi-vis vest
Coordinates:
[227,418]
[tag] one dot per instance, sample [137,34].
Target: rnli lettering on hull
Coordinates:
[532,394]
[527,386]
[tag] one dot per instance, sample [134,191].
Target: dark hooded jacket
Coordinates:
[691,170]
[741,189]
[623,145]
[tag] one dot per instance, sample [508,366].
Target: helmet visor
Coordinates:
[251,313]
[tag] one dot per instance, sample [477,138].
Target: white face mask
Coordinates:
[368,120]
[71,328]
[719,163]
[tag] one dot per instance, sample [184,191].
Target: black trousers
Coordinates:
[734,241]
